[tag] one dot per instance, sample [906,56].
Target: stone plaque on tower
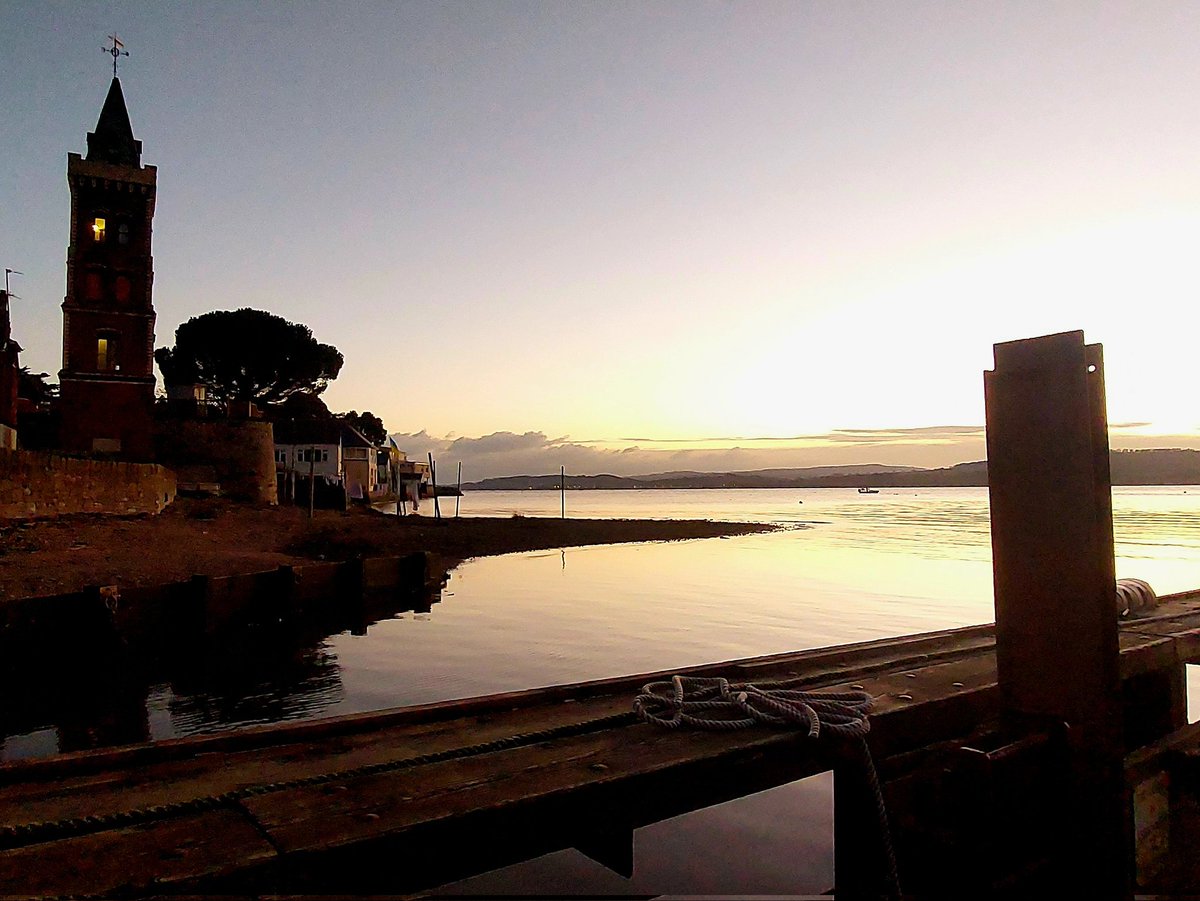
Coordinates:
[107,377]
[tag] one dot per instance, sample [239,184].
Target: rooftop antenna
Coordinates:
[7,273]
[115,51]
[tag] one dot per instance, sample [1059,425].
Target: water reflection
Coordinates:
[856,568]
[72,681]
[774,842]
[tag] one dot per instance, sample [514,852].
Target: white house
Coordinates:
[328,449]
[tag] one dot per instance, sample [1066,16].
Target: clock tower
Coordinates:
[107,377]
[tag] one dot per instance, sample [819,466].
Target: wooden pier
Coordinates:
[1046,756]
[452,789]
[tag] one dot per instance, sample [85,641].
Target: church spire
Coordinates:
[113,141]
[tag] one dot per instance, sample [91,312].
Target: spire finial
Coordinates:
[116,50]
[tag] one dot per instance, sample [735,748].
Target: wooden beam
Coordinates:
[1052,551]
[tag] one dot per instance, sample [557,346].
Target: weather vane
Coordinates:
[115,51]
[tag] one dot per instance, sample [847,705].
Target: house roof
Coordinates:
[307,431]
[319,431]
[113,140]
[352,437]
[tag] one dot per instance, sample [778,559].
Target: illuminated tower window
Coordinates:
[106,353]
[98,230]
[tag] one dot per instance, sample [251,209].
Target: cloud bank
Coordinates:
[535,453]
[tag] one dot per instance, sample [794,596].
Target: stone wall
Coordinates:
[239,454]
[37,485]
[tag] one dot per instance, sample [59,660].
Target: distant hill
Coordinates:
[807,472]
[1161,466]
[962,475]
[765,478]
[693,480]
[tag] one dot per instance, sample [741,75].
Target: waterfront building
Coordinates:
[107,377]
[330,450]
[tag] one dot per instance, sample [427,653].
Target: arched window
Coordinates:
[121,289]
[98,227]
[123,233]
[93,287]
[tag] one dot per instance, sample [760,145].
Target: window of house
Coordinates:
[280,456]
[121,289]
[123,233]
[106,353]
[98,226]
[93,288]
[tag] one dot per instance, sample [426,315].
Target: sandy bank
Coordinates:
[218,538]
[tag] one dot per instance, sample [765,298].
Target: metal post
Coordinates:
[562,492]
[458,488]
[1056,623]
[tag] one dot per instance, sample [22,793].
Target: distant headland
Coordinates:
[1159,466]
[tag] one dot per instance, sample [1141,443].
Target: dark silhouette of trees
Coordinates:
[369,426]
[300,407]
[249,355]
[33,386]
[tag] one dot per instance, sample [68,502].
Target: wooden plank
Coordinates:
[1144,653]
[367,808]
[1182,628]
[316,583]
[205,775]
[199,846]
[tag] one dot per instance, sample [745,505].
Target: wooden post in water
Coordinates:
[562,492]
[437,509]
[1054,574]
[458,488]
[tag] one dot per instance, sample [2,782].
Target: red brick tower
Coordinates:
[107,377]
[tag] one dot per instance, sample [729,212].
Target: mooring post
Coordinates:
[352,581]
[1057,653]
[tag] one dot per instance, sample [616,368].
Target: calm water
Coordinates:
[847,567]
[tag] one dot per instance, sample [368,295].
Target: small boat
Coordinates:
[868,490]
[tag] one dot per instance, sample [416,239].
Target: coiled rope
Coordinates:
[718,704]
[1134,596]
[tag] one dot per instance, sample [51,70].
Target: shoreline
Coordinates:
[214,537]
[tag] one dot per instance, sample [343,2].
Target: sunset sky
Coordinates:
[631,237]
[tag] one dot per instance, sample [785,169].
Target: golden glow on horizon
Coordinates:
[913,353]
[895,343]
